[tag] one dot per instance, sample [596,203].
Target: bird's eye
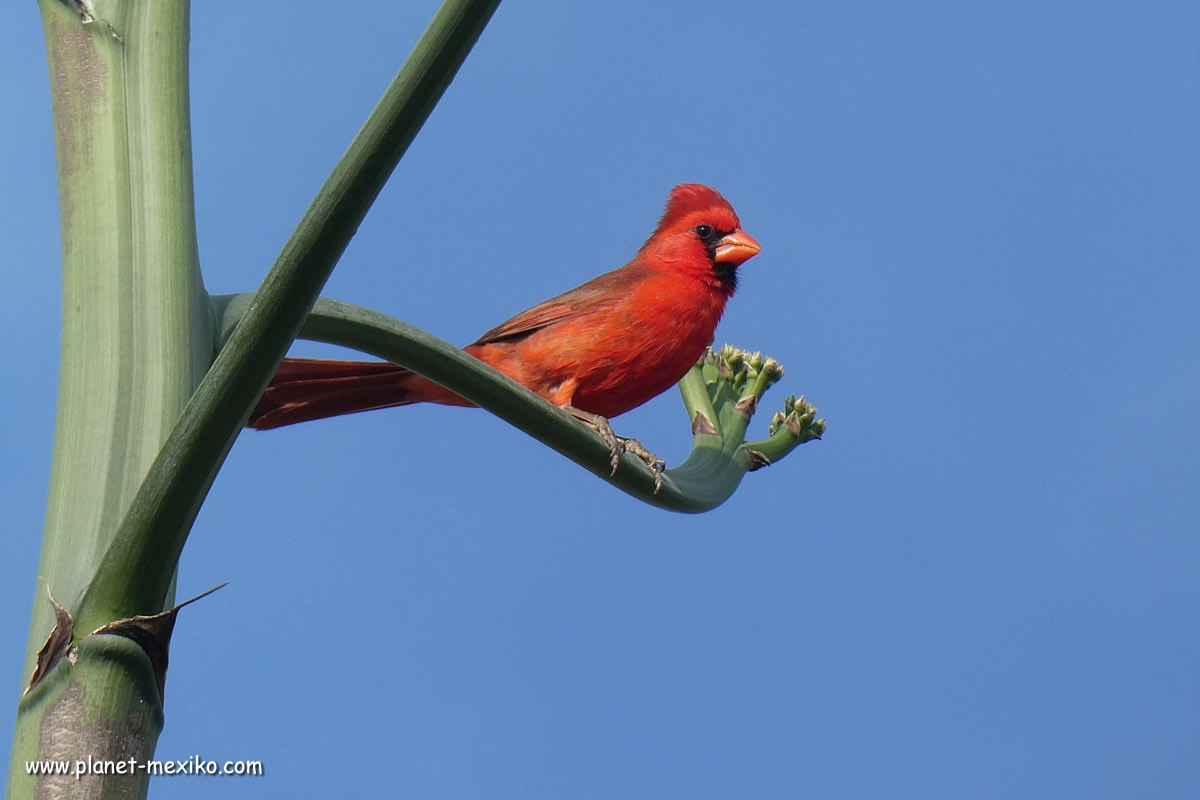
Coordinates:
[705,232]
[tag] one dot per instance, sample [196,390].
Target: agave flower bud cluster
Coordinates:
[735,380]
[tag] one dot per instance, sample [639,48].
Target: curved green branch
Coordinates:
[727,399]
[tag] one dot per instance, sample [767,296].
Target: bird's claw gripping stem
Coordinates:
[618,444]
[636,448]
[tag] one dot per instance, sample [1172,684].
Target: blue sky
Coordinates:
[980,261]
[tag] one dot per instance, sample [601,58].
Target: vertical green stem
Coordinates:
[135,331]
[136,338]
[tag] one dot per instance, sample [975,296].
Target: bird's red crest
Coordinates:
[689,198]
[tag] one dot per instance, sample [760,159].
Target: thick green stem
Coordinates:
[135,335]
[136,324]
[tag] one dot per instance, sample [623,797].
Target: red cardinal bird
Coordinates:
[598,350]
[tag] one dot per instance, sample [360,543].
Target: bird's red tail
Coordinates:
[304,389]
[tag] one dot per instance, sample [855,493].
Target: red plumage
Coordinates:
[604,347]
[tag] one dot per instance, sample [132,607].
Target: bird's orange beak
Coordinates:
[736,248]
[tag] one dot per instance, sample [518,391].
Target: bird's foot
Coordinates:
[656,464]
[619,444]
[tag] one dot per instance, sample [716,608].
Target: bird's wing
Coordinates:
[596,292]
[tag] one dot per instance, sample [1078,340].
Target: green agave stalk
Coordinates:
[135,322]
